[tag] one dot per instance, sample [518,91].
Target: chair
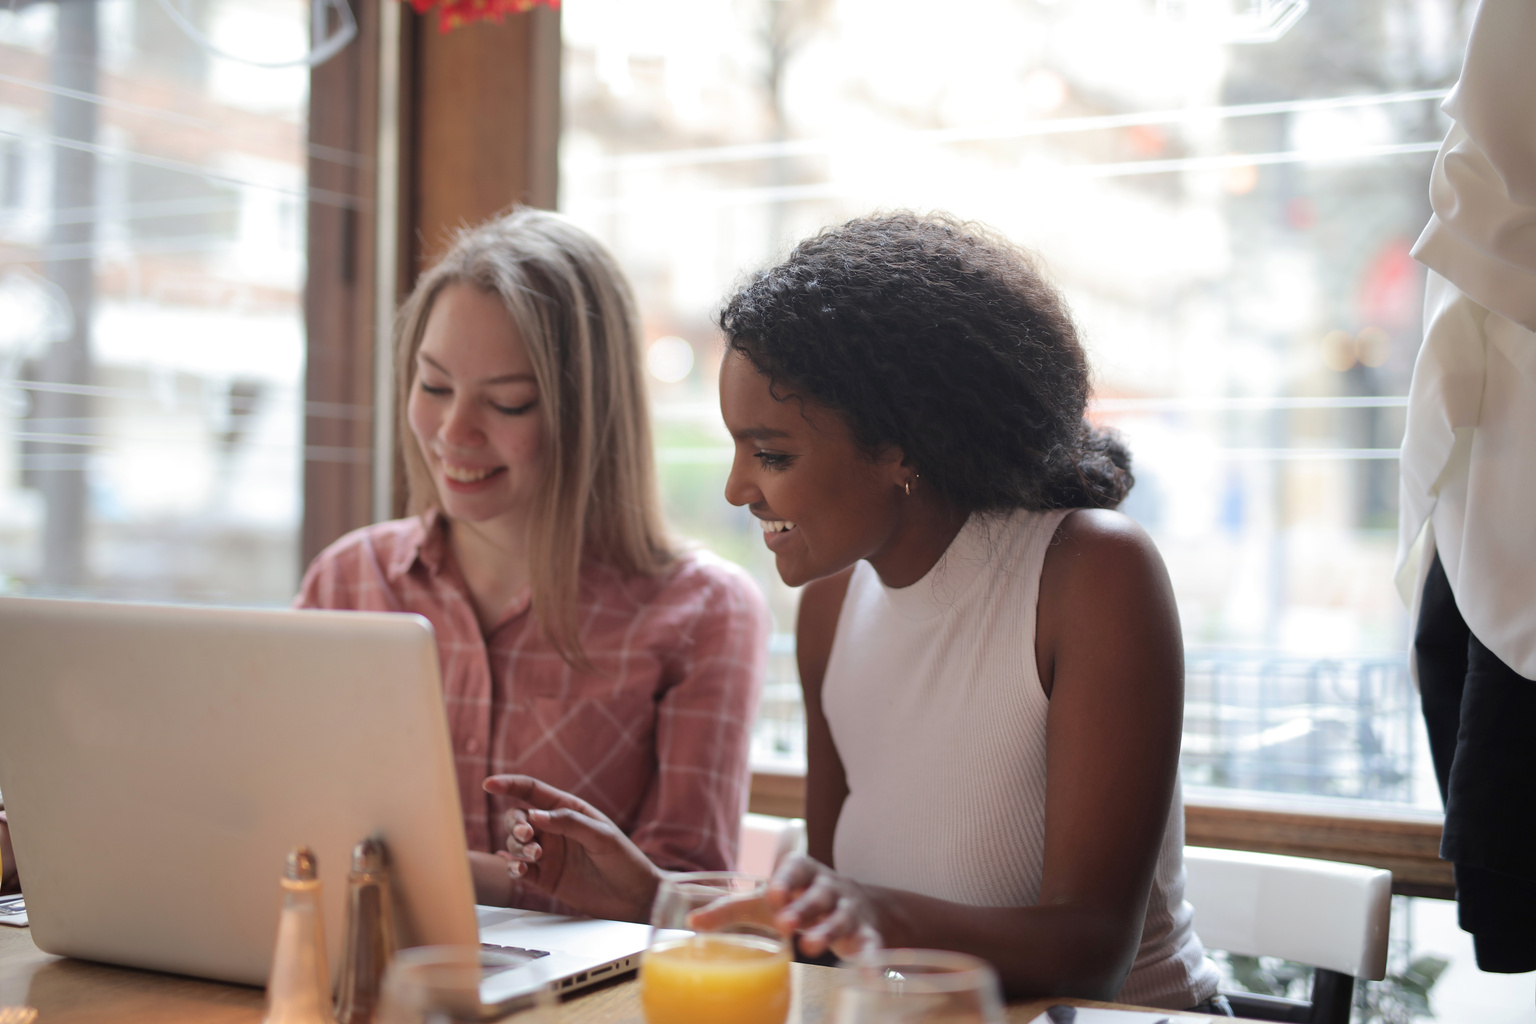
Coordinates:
[766,840]
[1330,916]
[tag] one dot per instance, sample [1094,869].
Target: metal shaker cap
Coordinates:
[368,856]
[302,866]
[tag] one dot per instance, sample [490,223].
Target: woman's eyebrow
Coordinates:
[759,434]
[506,378]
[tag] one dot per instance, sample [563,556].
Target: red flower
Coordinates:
[453,13]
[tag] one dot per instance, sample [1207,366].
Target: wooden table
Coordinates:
[69,991]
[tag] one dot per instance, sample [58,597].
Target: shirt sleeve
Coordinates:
[691,818]
[320,586]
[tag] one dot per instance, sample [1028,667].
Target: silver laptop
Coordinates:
[159,762]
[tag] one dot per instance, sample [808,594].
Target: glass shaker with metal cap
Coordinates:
[299,986]
[370,934]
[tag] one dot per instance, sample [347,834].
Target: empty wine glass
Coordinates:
[714,954]
[441,985]
[917,986]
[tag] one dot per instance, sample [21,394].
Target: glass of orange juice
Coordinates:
[714,956]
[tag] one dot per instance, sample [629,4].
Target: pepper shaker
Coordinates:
[370,934]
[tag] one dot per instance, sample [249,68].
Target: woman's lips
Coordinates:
[469,479]
[777,533]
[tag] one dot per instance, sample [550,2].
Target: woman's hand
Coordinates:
[826,909]
[571,850]
[10,882]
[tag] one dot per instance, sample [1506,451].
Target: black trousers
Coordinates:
[1481,717]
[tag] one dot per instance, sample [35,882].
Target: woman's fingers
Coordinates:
[730,910]
[521,870]
[842,922]
[792,878]
[528,792]
[810,907]
[583,829]
[521,835]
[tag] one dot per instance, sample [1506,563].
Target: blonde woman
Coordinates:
[578,644]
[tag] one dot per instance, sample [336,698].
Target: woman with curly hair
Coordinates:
[990,655]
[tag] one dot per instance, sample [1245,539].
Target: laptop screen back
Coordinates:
[159,762]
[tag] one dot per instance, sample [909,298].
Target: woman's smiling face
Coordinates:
[474,408]
[823,502]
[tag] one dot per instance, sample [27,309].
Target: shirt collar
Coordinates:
[426,543]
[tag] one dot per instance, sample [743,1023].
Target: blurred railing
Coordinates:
[1337,727]
[1341,727]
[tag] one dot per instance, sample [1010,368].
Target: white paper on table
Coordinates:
[1084,1015]
[13,911]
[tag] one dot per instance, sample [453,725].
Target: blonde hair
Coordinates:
[575,313]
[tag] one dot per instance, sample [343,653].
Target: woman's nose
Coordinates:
[740,489]
[460,426]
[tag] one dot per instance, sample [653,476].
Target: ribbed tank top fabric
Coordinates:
[933,698]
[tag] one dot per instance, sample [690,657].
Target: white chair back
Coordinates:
[766,840]
[1316,912]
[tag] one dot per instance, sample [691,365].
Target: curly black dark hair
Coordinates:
[945,340]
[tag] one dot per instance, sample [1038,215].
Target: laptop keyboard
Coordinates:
[516,954]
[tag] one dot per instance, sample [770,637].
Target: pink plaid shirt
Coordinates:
[656,736]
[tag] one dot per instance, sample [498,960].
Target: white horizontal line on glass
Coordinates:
[124,441]
[124,211]
[723,456]
[1020,129]
[112,249]
[723,197]
[710,411]
[324,197]
[319,410]
[1230,160]
[1248,404]
[77,462]
[331,153]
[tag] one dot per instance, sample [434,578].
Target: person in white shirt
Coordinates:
[1467,546]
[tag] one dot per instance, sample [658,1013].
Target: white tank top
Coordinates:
[934,701]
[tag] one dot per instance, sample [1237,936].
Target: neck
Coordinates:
[493,558]
[924,530]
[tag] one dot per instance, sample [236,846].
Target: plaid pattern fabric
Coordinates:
[655,734]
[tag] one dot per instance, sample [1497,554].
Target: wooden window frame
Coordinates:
[1405,842]
[444,129]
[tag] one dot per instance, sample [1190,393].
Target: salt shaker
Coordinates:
[299,987]
[370,934]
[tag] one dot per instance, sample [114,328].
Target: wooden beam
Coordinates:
[339,290]
[1405,842]
[478,130]
[779,794]
[484,123]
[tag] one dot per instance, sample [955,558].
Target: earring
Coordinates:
[908,488]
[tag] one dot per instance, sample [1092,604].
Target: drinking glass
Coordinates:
[917,986]
[714,956]
[441,985]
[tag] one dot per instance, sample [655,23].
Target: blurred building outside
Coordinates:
[151,220]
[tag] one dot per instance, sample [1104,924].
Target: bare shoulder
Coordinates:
[1096,547]
[1103,587]
[821,604]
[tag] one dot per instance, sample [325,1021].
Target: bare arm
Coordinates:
[1110,656]
[826,788]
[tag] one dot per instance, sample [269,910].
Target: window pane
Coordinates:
[1227,199]
[152,208]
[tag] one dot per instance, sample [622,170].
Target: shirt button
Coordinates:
[472,746]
